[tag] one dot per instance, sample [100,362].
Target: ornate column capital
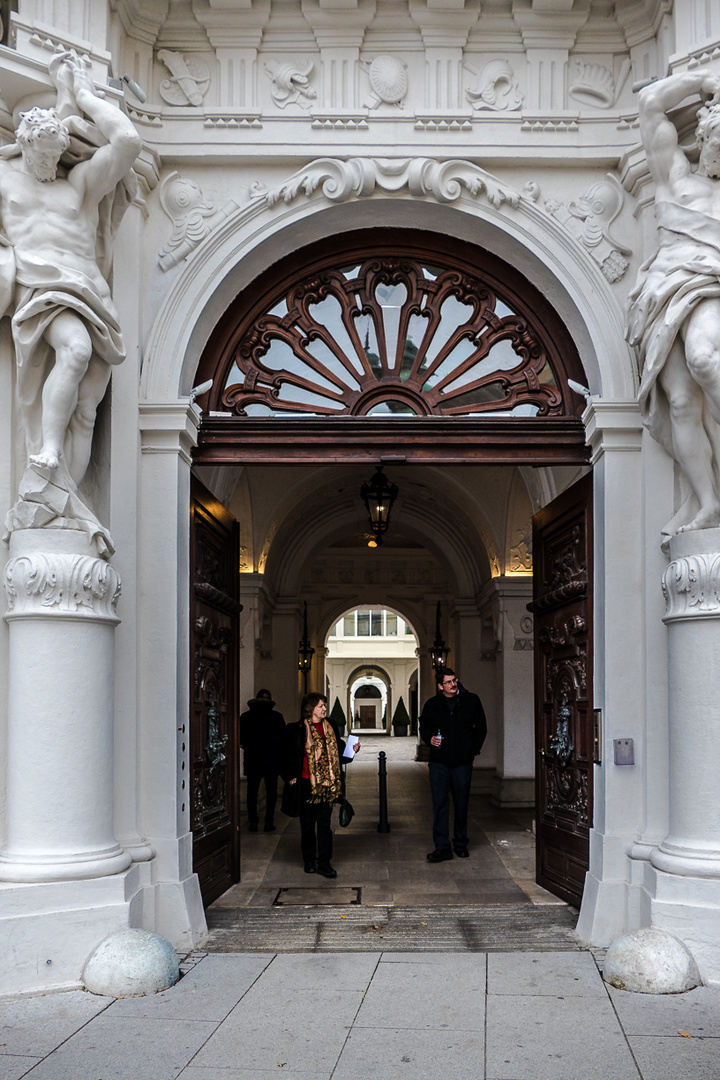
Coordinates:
[691,583]
[61,584]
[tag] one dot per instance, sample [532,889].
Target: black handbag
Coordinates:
[346,812]
[290,802]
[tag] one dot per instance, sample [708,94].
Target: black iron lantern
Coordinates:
[378,495]
[305,649]
[438,650]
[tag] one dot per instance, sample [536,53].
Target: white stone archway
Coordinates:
[260,235]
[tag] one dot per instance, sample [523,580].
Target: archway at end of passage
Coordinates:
[372,661]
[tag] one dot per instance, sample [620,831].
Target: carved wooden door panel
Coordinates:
[214,645]
[562,606]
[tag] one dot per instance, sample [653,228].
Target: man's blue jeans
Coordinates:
[444,781]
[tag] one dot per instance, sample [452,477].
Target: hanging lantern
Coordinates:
[379,496]
[438,650]
[305,649]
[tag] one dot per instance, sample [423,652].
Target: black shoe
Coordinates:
[269,826]
[253,826]
[462,852]
[440,856]
[310,868]
[326,869]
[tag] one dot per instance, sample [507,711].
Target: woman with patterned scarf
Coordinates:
[312,769]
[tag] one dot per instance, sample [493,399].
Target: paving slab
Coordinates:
[677,1058]
[556,974]
[12,1067]
[119,1048]
[208,992]
[35,1026]
[387,1054]
[284,1029]
[556,1038]
[425,996]
[323,971]
[222,1073]
[697,1012]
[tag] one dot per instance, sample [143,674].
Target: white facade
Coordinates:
[267,128]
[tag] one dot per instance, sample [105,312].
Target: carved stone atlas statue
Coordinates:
[674,310]
[64,185]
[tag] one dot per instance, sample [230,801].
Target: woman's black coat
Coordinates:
[291,763]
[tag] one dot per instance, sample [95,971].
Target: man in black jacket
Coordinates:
[454,727]
[262,731]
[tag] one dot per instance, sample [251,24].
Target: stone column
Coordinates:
[61,616]
[691,585]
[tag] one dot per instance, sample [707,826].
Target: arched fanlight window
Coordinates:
[385,329]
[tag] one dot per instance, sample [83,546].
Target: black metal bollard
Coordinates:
[383,825]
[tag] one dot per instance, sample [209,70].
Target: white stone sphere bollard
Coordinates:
[131,963]
[650,961]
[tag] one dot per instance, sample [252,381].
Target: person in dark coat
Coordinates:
[262,730]
[312,770]
[453,725]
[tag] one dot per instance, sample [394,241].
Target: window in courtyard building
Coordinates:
[371,623]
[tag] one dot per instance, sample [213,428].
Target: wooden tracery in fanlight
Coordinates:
[390,326]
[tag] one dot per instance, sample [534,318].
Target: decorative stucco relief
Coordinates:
[190,78]
[193,217]
[521,552]
[359,177]
[62,585]
[589,219]
[494,87]
[388,81]
[593,84]
[691,586]
[291,83]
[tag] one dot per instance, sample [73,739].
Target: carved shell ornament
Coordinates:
[388,80]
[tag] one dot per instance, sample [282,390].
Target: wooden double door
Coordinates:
[564,728]
[214,651]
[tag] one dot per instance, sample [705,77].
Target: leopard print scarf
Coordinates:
[323,763]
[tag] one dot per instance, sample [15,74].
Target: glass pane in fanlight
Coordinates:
[329,313]
[349,625]
[280,310]
[417,328]
[258,410]
[391,299]
[459,354]
[376,619]
[392,624]
[280,357]
[298,394]
[368,338]
[327,357]
[236,376]
[432,272]
[350,272]
[363,623]
[482,395]
[452,315]
[546,376]
[391,408]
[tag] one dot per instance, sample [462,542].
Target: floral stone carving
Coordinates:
[61,584]
[691,586]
